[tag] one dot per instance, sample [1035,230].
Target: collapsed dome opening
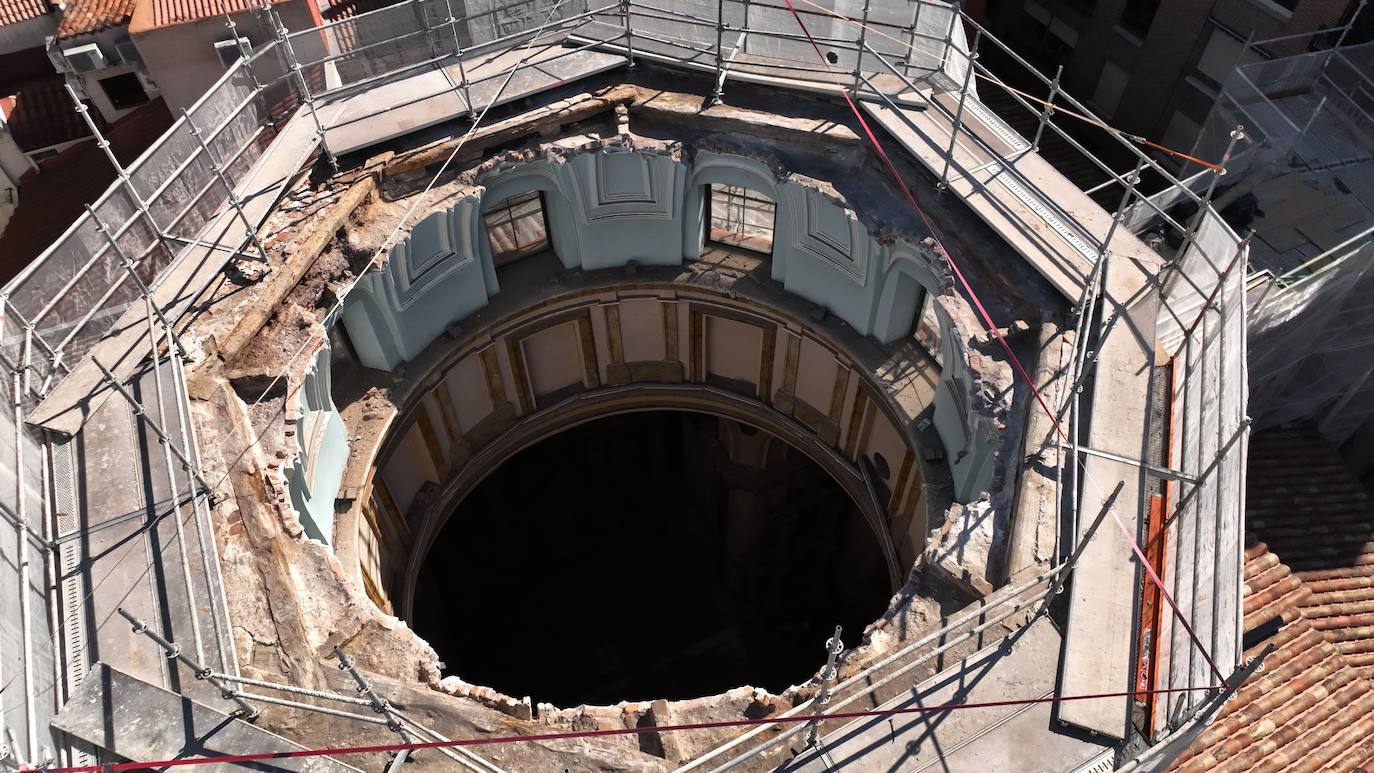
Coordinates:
[659,554]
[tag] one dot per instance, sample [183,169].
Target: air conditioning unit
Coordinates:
[84,58]
[229,50]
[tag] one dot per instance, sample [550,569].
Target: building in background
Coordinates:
[1170,56]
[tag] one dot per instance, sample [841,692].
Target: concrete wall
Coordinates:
[613,207]
[32,33]
[182,58]
[90,81]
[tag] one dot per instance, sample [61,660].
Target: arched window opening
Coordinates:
[740,217]
[927,330]
[517,228]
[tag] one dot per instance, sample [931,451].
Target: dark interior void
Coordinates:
[649,555]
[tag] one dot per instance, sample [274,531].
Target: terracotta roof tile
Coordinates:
[167,13]
[50,200]
[1312,707]
[83,17]
[42,114]
[15,11]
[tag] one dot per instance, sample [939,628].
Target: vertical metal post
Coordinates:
[458,54]
[245,51]
[859,54]
[949,32]
[911,50]
[720,52]
[294,65]
[234,199]
[959,113]
[21,535]
[629,33]
[1237,134]
[120,171]
[1132,180]
[744,39]
[422,16]
[833,647]
[1048,109]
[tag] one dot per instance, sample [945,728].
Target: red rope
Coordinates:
[992,327]
[491,741]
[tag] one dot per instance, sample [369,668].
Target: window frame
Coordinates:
[504,214]
[746,197]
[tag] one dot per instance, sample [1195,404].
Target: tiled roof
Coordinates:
[1317,516]
[83,17]
[1307,710]
[167,13]
[15,11]
[1312,707]
[50,200]
[42,114]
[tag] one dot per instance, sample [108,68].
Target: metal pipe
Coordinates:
[458,54]
[863,44]
[999,598]
[629,33]
[959,112]
[204,532]
[245,710]
[1190,235]
[304,87]
[875,686]
[234,200]
[720,51]
[291,688]
[833,647]
[22,562]
[259,698]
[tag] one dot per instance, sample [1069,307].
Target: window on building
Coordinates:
[1048,40]
[1110,86]
[741,217]
[1138,16]
[124,90]
[1223,52]
[517,228]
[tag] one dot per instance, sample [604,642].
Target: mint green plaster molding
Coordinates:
[322,444]
[610,206]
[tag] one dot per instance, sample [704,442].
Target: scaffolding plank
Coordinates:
[139,721]
[1098,640]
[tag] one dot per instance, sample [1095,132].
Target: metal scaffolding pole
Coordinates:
[1048,109]
[284,41]
[859,53]
[833,647]
[172,485]
[629,34]
[234,199]
[245,710]
[959,112]
[378,703]
[720,52]
[458,54]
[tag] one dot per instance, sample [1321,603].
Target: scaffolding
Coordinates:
[100,299]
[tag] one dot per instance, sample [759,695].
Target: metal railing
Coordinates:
[111,258]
